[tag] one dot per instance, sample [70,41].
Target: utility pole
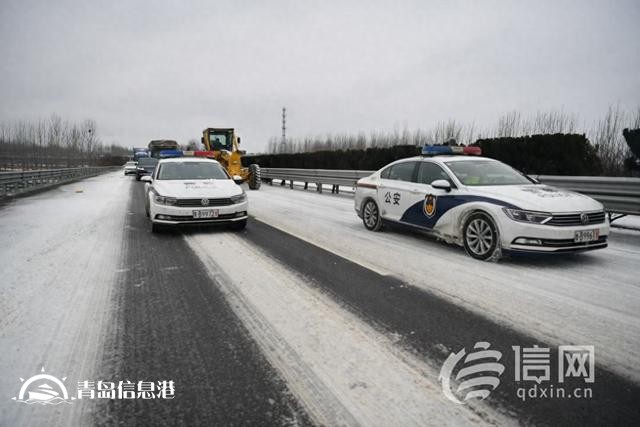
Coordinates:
[283,142]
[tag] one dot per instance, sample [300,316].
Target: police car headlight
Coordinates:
[527,216]
[239,198]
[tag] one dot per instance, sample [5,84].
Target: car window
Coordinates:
[191,170]
[148,161]
[429,172]
[385,173]
[402,171]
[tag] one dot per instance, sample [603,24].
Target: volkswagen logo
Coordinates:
[584,218]
[205,202]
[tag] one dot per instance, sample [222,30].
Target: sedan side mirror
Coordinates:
[145,178]
[441,184]
[238,179]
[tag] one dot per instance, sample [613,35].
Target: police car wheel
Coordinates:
[480,236]
[371,216]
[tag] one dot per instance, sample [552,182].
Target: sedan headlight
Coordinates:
[239,198]
[527,216]
[162,200]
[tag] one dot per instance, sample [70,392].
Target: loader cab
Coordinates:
[218,139]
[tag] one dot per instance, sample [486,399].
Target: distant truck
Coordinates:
[158,145]
[139,153]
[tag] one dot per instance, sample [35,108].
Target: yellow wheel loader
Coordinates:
[223,143]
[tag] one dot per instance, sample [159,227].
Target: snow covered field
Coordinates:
[590,299]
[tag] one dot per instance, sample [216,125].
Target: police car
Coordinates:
[481,204]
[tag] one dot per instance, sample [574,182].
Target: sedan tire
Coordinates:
[480,237]
[371,216]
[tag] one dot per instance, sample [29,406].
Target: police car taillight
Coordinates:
[434,150]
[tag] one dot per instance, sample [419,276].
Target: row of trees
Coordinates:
[55,142]
[605,135]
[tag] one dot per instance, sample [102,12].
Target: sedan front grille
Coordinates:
[198,202]
[572,220]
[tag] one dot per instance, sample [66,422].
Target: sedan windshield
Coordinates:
[191,170]
[486,172]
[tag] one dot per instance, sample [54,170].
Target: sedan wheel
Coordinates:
[371,216]
[480,236]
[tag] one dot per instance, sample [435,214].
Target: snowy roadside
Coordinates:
[590,299]
[343,370]
[60,251]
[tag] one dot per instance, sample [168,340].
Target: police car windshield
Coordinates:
[486,172]
[191,170]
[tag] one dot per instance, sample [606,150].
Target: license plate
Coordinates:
[586,236]
[209,213]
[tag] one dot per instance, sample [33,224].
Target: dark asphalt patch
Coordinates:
[433,327]
[173,324]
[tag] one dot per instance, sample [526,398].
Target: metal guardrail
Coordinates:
[618,195]
[12,183]
[316,176]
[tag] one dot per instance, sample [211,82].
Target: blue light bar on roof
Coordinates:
[434,150]
[165,154]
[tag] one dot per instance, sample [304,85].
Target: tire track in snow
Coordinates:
[331,359]
[434,326]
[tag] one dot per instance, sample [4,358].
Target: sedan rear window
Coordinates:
[191,170]
[400,171]
[147,161]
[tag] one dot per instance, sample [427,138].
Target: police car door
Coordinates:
[394,189]
[423,198]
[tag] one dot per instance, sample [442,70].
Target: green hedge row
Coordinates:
[559,154]
[369,159]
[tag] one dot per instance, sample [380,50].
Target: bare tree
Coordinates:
[608,140]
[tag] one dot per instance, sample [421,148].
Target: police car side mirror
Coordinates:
[145,178]
[238,179]
[441,184]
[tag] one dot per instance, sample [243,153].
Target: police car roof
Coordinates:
[447,157]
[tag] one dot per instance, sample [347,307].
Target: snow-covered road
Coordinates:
[303,318]
[60,252]
[590,299]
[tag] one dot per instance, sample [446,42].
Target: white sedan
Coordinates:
[481,204]
[130,168]
[194,190]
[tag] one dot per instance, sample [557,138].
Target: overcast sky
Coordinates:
[168,69]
